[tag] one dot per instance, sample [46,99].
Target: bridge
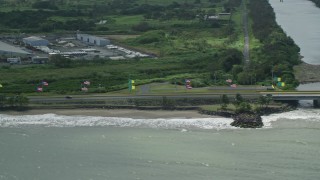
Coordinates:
[295,96]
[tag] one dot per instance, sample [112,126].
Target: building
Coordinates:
[35,41]
[7,50]
[224,14]
[93,40]
[15,60]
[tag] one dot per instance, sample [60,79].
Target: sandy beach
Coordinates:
[153,114]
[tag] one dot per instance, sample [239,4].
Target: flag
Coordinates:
[86,83]
[39,89]
[283,84]
[229,80]
[132,81]
[133,87]
[279,79]
[233,85]
[45,83]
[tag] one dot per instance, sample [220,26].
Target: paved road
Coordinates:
[45,99]
[294,96]
[249,95]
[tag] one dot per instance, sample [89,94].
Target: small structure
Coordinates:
[94,40]
[35,41]
[224,14]
[207,17]
[39,60]
[15,60]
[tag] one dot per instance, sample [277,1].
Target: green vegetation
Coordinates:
[188,44]
[13,101]
[112,75]
[278,52]
[224,102]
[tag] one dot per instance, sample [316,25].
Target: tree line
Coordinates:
[278,53]
[40,18]
[39,21]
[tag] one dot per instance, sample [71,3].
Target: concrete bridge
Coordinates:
[295,96]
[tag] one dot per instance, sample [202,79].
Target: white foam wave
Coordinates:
[299,114]
[53,120]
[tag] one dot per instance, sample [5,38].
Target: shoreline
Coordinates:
[125,113]
[307,73]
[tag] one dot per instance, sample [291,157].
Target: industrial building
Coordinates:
[35,41]
[16,60]
[7,50]
[94,40]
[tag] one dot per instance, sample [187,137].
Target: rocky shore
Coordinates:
[254,120]
[249,119]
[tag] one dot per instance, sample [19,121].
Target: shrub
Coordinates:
[151,37]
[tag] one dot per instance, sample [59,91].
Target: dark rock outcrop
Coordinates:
[247,120]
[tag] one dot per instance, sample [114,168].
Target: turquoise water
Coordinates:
[32,148]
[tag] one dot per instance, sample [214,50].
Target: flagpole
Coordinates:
[129,84]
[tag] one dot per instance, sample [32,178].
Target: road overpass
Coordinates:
[295,96]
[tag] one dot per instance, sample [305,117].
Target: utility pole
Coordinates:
[272,74]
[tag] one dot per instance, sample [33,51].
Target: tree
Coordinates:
[231,57]
[224,102]
[238,99]
[2,100]
[262,101]
[167,103]
[244,78]
[142,27]
[17,101]
[21,100]
[243,107]
[268,100]
[60,61]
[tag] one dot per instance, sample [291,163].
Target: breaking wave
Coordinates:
[303,114]
[53,120]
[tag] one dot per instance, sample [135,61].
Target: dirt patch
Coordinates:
[307,73]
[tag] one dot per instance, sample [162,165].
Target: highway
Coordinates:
[294,96]
[58,99]
[310,95]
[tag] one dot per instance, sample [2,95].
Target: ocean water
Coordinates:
[55,147]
